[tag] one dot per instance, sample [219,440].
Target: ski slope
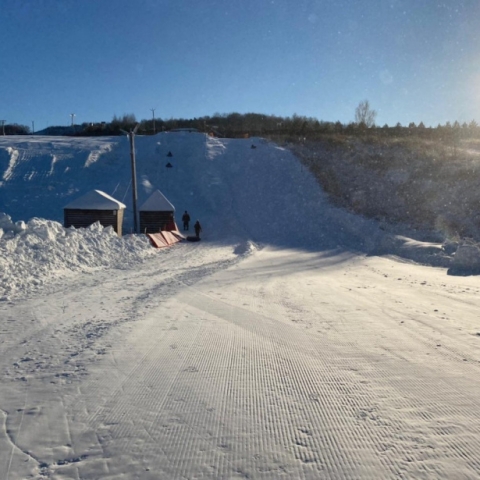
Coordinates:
[277,347]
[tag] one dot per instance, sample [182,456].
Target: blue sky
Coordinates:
[414,60]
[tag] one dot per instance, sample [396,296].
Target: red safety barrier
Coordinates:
[169,237]
[157,240]
[165,238]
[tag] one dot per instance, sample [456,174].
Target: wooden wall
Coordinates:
[153,222]
[83,218]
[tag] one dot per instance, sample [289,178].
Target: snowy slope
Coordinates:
[277,347]
[262,195]
[233,188]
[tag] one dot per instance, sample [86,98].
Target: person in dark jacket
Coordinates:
[186,220]
[198,228]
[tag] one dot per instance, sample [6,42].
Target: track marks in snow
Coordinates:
[9,449]
[385,408]
[144,391]
[14,154]
[272,391]
[210,375]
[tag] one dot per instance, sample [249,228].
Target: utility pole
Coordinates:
[153,118]
[72,115]
[33,126]
[3,126]
[131,136]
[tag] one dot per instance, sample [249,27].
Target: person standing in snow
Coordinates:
[186,220]
[198,229]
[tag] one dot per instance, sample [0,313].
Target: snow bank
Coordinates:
[245,249]
[427,253]
[32,252]
[466,259]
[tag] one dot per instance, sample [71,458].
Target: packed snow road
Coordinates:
[268,364]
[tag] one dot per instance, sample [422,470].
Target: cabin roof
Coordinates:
[157,202]
[95,200]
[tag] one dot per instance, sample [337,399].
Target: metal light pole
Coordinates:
[33,126]
[153,118]
[3,126]
[131,136]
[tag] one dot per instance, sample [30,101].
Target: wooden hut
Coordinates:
[157,214]
[95,206]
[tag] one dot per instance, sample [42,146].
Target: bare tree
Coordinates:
[364,115]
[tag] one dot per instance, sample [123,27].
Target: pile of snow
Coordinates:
[245,249]
[427,253]
[38,250]
[466,259]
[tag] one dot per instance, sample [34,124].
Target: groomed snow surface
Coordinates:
[294,341]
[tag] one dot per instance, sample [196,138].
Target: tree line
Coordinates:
[237,125]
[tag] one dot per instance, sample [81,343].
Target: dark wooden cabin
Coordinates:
[95,206]
[157,214]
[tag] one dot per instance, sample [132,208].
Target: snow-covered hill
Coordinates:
[262,195]
[287,344]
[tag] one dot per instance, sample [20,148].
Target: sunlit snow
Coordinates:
[295,340]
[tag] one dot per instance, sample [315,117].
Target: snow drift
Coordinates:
[38,250]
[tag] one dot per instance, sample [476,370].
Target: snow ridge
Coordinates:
[39,250]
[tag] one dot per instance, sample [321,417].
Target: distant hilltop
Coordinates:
[56,130]
[189,130]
